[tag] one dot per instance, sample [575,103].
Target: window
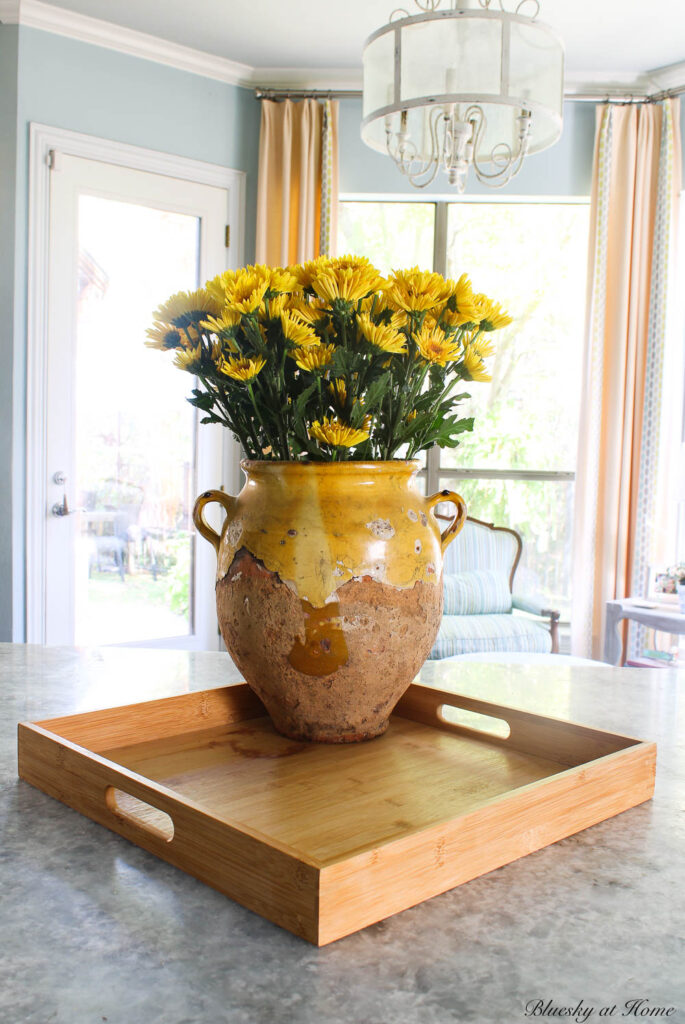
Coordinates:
[517,468]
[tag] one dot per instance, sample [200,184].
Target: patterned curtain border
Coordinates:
[649,442]
[593,397]
[326,180]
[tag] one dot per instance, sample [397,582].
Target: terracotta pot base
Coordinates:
[331,674]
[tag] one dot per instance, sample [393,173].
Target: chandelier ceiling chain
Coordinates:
[460,87]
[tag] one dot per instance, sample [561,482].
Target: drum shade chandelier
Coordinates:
[470,85]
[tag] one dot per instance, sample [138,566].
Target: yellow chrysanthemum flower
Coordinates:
[276,305]
[348,283]
[191,337]
[246,292]
[278,279]
[226,321]
[474,364]
[383,336]
[314,357]
[376,305]
[416,290]
[492,316]
[242,369]
[304,272]
[350,262]
[337,434]
[461,307]
[164,336]
[410,417]
[434,346]
[220,284]
[483,346]
[301,335]
[312,312]
[189,359]
[184,308]
[338,389]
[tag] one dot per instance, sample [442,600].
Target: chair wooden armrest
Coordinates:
[535,607]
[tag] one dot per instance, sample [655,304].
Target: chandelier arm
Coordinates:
[524,3]
[510,162]
[497,179]
[432,166]
[403,151]
[414,178]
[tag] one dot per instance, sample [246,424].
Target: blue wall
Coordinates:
[9,40]
[563,170]
[67,84]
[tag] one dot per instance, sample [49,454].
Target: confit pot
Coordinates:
[329,589]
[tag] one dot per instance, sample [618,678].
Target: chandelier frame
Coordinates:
[505,158]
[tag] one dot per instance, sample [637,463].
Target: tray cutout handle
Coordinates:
[138,812]
[486,725]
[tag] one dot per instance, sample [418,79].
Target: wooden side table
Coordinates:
[665,618]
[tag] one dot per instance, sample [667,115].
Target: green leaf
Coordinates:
[202,400]
[376,392]
[300,403]
[445,436]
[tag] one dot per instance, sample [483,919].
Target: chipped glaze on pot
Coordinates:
[329,589]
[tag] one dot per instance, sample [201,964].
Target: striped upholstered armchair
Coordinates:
[478,577]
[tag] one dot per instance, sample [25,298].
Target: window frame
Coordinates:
[434,471]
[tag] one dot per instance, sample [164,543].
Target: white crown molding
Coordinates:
[58,20]
[9,12]
[36,14]
[608,83]
[670,76]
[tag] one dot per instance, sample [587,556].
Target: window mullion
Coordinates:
[508,474]
[432,470]
[440,239]
[440,267]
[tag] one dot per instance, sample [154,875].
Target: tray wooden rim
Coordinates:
[47,758]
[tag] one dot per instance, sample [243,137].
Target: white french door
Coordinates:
[124,459]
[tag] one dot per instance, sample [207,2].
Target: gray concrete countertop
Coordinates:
[96,930]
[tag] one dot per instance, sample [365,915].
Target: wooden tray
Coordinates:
[324,840]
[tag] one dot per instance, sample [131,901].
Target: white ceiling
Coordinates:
[602,37]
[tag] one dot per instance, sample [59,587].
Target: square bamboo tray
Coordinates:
[325,840]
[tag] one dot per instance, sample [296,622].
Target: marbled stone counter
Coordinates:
[94,929]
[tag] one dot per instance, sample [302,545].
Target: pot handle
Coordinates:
[201,524]
[451,497]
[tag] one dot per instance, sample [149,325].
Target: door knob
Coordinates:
[60,509]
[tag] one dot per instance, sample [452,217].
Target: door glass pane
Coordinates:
[135,433]
[391,235]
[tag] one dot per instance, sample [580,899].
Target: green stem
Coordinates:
[267,438]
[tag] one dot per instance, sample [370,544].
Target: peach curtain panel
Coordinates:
[297,193]
[636,181]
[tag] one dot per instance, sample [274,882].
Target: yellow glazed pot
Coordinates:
[329,589]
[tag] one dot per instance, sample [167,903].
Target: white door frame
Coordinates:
[45,145]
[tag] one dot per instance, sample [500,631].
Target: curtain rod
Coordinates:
[354,94]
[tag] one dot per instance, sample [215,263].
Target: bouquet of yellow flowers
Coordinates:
[327,360]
